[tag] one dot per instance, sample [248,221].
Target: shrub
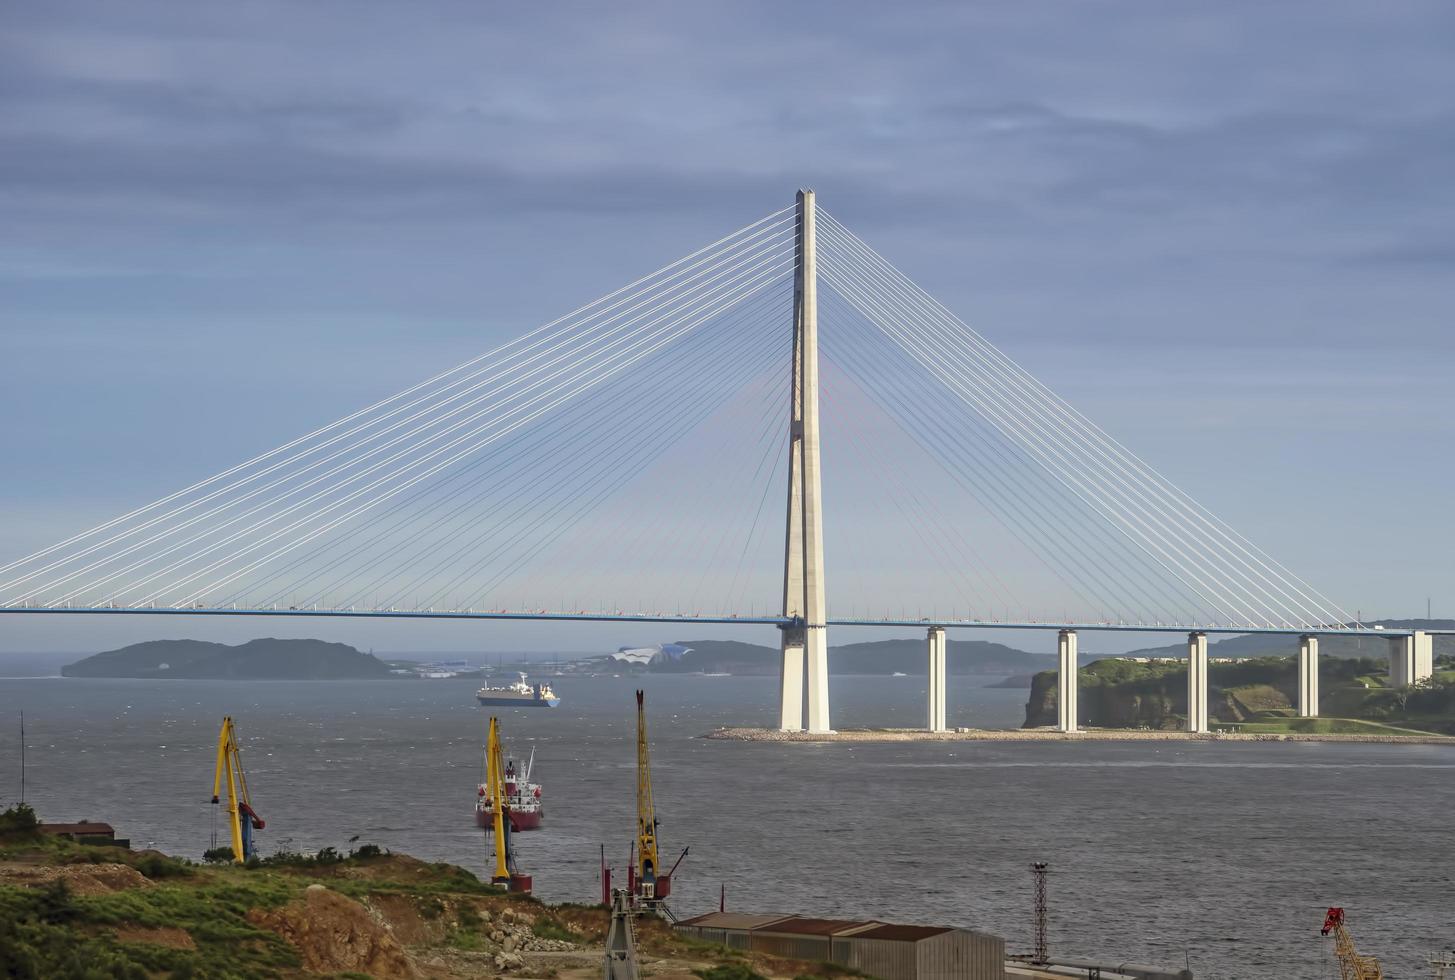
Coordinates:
[156,866]
[217,855]
[545,928]
[292,859]
[729,971]
[53,902]
[19,820]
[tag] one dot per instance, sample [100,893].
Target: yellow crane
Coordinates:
[242,819]
[1352,966]
[648,884]
[506,872]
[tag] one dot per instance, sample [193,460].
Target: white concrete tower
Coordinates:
[1308,677]
[806,641]
[1197,682]
[936,645]
[1067,710]
[1411,659]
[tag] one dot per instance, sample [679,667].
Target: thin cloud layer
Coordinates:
[343,197]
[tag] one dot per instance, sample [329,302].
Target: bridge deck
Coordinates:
[719,619]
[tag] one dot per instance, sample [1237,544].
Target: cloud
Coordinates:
[1111,191]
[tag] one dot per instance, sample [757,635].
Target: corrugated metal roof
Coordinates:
[911,934]
[731,920]
[799,926]
[84,827]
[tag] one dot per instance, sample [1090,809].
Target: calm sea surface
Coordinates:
[1221,855]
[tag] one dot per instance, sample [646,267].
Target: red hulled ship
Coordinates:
[522,799]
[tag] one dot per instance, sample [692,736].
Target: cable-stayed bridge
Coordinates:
[628,461]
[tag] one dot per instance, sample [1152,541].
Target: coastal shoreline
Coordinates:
[1051,735]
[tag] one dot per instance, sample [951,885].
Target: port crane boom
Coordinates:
[1352,966]
[242,818]
[651,884]
[506,872]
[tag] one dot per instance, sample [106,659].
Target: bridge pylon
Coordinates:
[805,638]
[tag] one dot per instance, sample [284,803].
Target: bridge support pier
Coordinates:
[1197,682]
[1411,659]
[1308,677]
[790,681]
[936,644]
[1067,686]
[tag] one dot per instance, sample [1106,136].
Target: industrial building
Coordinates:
[880,949]
[85,832]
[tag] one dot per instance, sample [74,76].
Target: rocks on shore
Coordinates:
[335,934]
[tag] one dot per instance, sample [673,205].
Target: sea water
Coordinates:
[1218,855]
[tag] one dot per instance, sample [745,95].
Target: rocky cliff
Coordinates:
[1117,693]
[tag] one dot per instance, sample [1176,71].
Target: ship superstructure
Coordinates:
[523,804]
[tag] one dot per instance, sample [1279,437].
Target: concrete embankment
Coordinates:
[1051,735]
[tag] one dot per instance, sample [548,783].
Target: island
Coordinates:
[265,659]
[876,657]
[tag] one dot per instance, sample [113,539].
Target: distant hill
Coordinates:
[1274,645]
[255,660]
[1260,694]
[906,656]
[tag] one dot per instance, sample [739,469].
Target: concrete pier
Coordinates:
[936,714]
[1308,676]
[1411,659]
[1197,682]
[790,681]
[1067,710]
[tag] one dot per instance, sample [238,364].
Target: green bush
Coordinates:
[18,821]
[292,859]
[217,855]
[729,971]
[545,928]
[158,866]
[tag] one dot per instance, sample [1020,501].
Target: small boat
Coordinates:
[521,694]
[522,799]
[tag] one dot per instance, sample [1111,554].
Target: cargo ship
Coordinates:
[522,799]
[521,694]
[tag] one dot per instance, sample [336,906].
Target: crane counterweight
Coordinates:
[1352,966]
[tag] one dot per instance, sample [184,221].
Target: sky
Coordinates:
[1223,232]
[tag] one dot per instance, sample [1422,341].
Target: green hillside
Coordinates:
[266,659]
[1255,695]
[905,656]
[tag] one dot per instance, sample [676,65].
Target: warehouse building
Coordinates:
[880,949]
